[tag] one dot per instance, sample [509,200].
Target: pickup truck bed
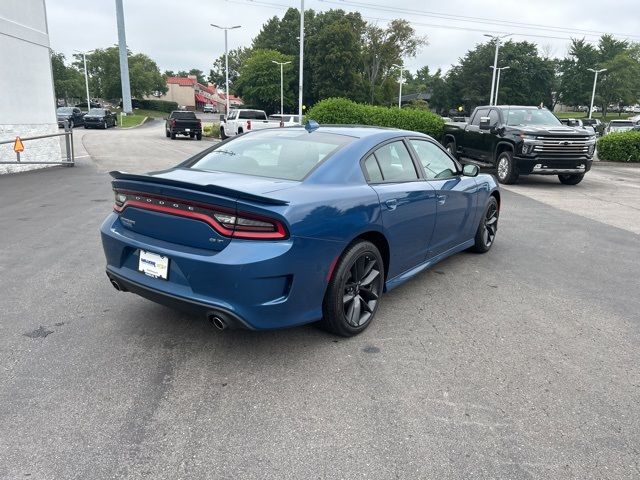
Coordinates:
[182,122]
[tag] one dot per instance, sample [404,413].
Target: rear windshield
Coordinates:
[65,110]
[252,115]
[96,111]
[184,115]
[285,154]
[530,116]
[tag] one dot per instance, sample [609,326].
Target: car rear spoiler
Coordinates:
[209,188]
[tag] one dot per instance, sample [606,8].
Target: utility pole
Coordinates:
[497,39]
[226,61]
[495,98]
[282,64]
[400,82]
[86,76]
[595,80]
[124,62]
[300,83]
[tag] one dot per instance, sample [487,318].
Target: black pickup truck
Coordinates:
[520,140]
[183,122]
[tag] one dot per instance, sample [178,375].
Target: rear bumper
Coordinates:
[251,283]
[553,165]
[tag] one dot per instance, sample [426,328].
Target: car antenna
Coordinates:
[311,126]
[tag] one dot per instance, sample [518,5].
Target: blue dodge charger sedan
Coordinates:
[287,226]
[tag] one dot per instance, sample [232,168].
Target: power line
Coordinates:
[470,19]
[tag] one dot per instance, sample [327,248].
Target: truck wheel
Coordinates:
[191,135]
[198,136]
[173,135]
[223,136]
[240,132]
[451,148]
[506,169]
[571,179]
[166,132]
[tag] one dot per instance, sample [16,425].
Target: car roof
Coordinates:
[364,131]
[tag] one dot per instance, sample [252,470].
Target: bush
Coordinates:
[620,147]
[345,112]
[157,105]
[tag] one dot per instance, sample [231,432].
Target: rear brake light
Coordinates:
[173,122]
[229,224]
[248,124]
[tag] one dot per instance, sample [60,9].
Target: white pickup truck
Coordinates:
[244,120]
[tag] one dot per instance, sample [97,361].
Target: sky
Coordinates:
[178,36]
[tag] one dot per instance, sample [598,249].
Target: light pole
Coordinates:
[595,80]
[226,61]
[124,61]
[86,76]
[300,83]
[282,64]
[400,80]
[495,99]
[497,38]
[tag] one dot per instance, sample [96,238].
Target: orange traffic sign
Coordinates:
[18,146]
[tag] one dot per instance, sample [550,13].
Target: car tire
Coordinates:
[167,133]
[451,148]
[104,125]
[173,135]
[352,297]
[223,136]
[507,172]
[198,136]
[70,124]
[487,227]
[191,135]
[85,127]
[571,179]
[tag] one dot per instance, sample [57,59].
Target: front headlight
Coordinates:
[592,138]
[527,137]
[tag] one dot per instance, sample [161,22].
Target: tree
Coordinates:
[259,81]
[620,83]
[68,82]
[103,66]
[237,57]
[383,47]
[199,74]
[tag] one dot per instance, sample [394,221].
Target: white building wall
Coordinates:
[27,102]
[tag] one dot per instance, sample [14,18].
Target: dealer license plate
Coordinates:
[154,265]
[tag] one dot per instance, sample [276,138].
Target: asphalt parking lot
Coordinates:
[521,363]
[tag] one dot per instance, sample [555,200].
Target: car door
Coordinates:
[487,141]
[473,136]
[456,196]
[407,204]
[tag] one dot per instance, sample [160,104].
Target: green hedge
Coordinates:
[620,147]
[158,105]
[345,112]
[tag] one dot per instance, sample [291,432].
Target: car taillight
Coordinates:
[281,124]
[229,224]
[173,122]
[248,124]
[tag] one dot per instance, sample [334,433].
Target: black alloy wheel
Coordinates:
[354,291]
[486,233]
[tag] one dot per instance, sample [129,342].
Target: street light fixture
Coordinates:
[86,76]
[495,99]
[497,38]
[595,80]
[400,81]
[226,61]
[282,64]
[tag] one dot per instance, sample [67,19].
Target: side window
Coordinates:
[479,114]
[373,170]
[494,118]
[436,163]
[395,163]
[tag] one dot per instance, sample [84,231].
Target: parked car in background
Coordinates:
[208,108]
[594,123]
[100,118]
[571,122]
[243,120]
[73,115]
[94,104]
[183,122]
[619,126]
[522,140]
[286,120]
[283,227]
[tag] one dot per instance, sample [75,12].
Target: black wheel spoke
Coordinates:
[354,319]
[368,295]
[348,297]
[369,278]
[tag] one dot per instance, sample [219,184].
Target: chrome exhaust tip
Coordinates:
[217,322]
[116,285]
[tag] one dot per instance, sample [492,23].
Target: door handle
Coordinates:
[391,204]
[442,199]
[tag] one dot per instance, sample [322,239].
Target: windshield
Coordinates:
[96,111]
[530,116]
[65,110]
[285,154]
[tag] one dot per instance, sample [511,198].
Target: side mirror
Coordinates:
[485,123]
[470,170]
